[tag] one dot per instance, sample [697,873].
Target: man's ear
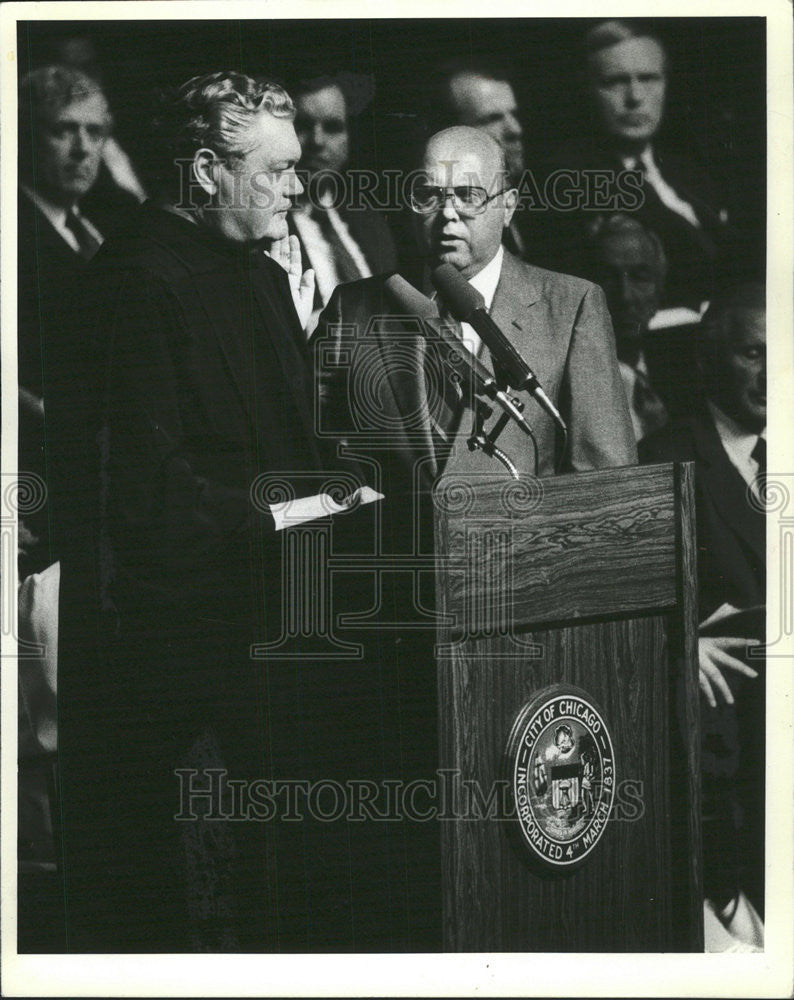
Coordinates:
[205,168]
[510,204]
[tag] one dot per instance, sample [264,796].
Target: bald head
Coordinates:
[463,142]
[457,160]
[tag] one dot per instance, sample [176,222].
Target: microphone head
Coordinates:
[459,296]
[409,299]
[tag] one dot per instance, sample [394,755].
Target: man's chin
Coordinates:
[277,229]
[454,257]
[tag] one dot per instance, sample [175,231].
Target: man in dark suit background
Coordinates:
[342,238]
[627,79]
[64,123]
[462,202]
[727,441]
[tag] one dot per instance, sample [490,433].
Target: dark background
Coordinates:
[716,97]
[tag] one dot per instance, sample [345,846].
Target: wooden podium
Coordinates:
[587,581]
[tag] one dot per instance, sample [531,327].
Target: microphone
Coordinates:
[460,358]
[467,305]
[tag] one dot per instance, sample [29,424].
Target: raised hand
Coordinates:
[287,253]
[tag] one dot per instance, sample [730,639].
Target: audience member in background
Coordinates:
[341,239]
[629,263]
[479,93]
[64,124]
[727,441]
[117,173]
[627,76]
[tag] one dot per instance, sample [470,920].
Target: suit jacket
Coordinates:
[370,231]
[47,268]
[731,531]
[47,271]
[560,326]
[692,253]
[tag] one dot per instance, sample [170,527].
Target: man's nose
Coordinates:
[318,135]
[634,92]
[296,188]
[80,143]
[448,209]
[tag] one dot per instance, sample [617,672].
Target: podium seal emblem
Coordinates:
[562,775]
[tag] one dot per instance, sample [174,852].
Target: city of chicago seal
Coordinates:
[561,768]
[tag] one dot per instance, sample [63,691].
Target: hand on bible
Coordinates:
[287,252]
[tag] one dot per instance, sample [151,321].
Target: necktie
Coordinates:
[667,195]
[85,240]
[444,394]
[759,455]
[346,267]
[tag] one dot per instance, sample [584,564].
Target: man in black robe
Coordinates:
[182,408]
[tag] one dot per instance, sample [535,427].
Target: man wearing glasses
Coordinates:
[461,203]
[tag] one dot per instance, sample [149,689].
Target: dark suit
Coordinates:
[692,252]
[731,532]
[731,569]
[369,231]
[47,270]
[559,324]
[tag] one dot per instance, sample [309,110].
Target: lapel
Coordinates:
[725,487]
[515,294]
[41,240]
[402,351]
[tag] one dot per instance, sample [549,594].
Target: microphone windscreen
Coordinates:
[456,292]
[409,299]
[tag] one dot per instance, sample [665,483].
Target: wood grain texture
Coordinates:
[632,893]
[566,548]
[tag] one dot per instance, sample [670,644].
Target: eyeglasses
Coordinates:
[467,200]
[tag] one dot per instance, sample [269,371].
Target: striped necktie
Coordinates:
[87,242]
[444,394]
[346,267]
[758,454]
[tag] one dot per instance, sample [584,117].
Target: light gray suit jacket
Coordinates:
[372,391]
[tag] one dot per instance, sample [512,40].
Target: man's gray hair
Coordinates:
[605,34]
[216,111]
[47,90]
